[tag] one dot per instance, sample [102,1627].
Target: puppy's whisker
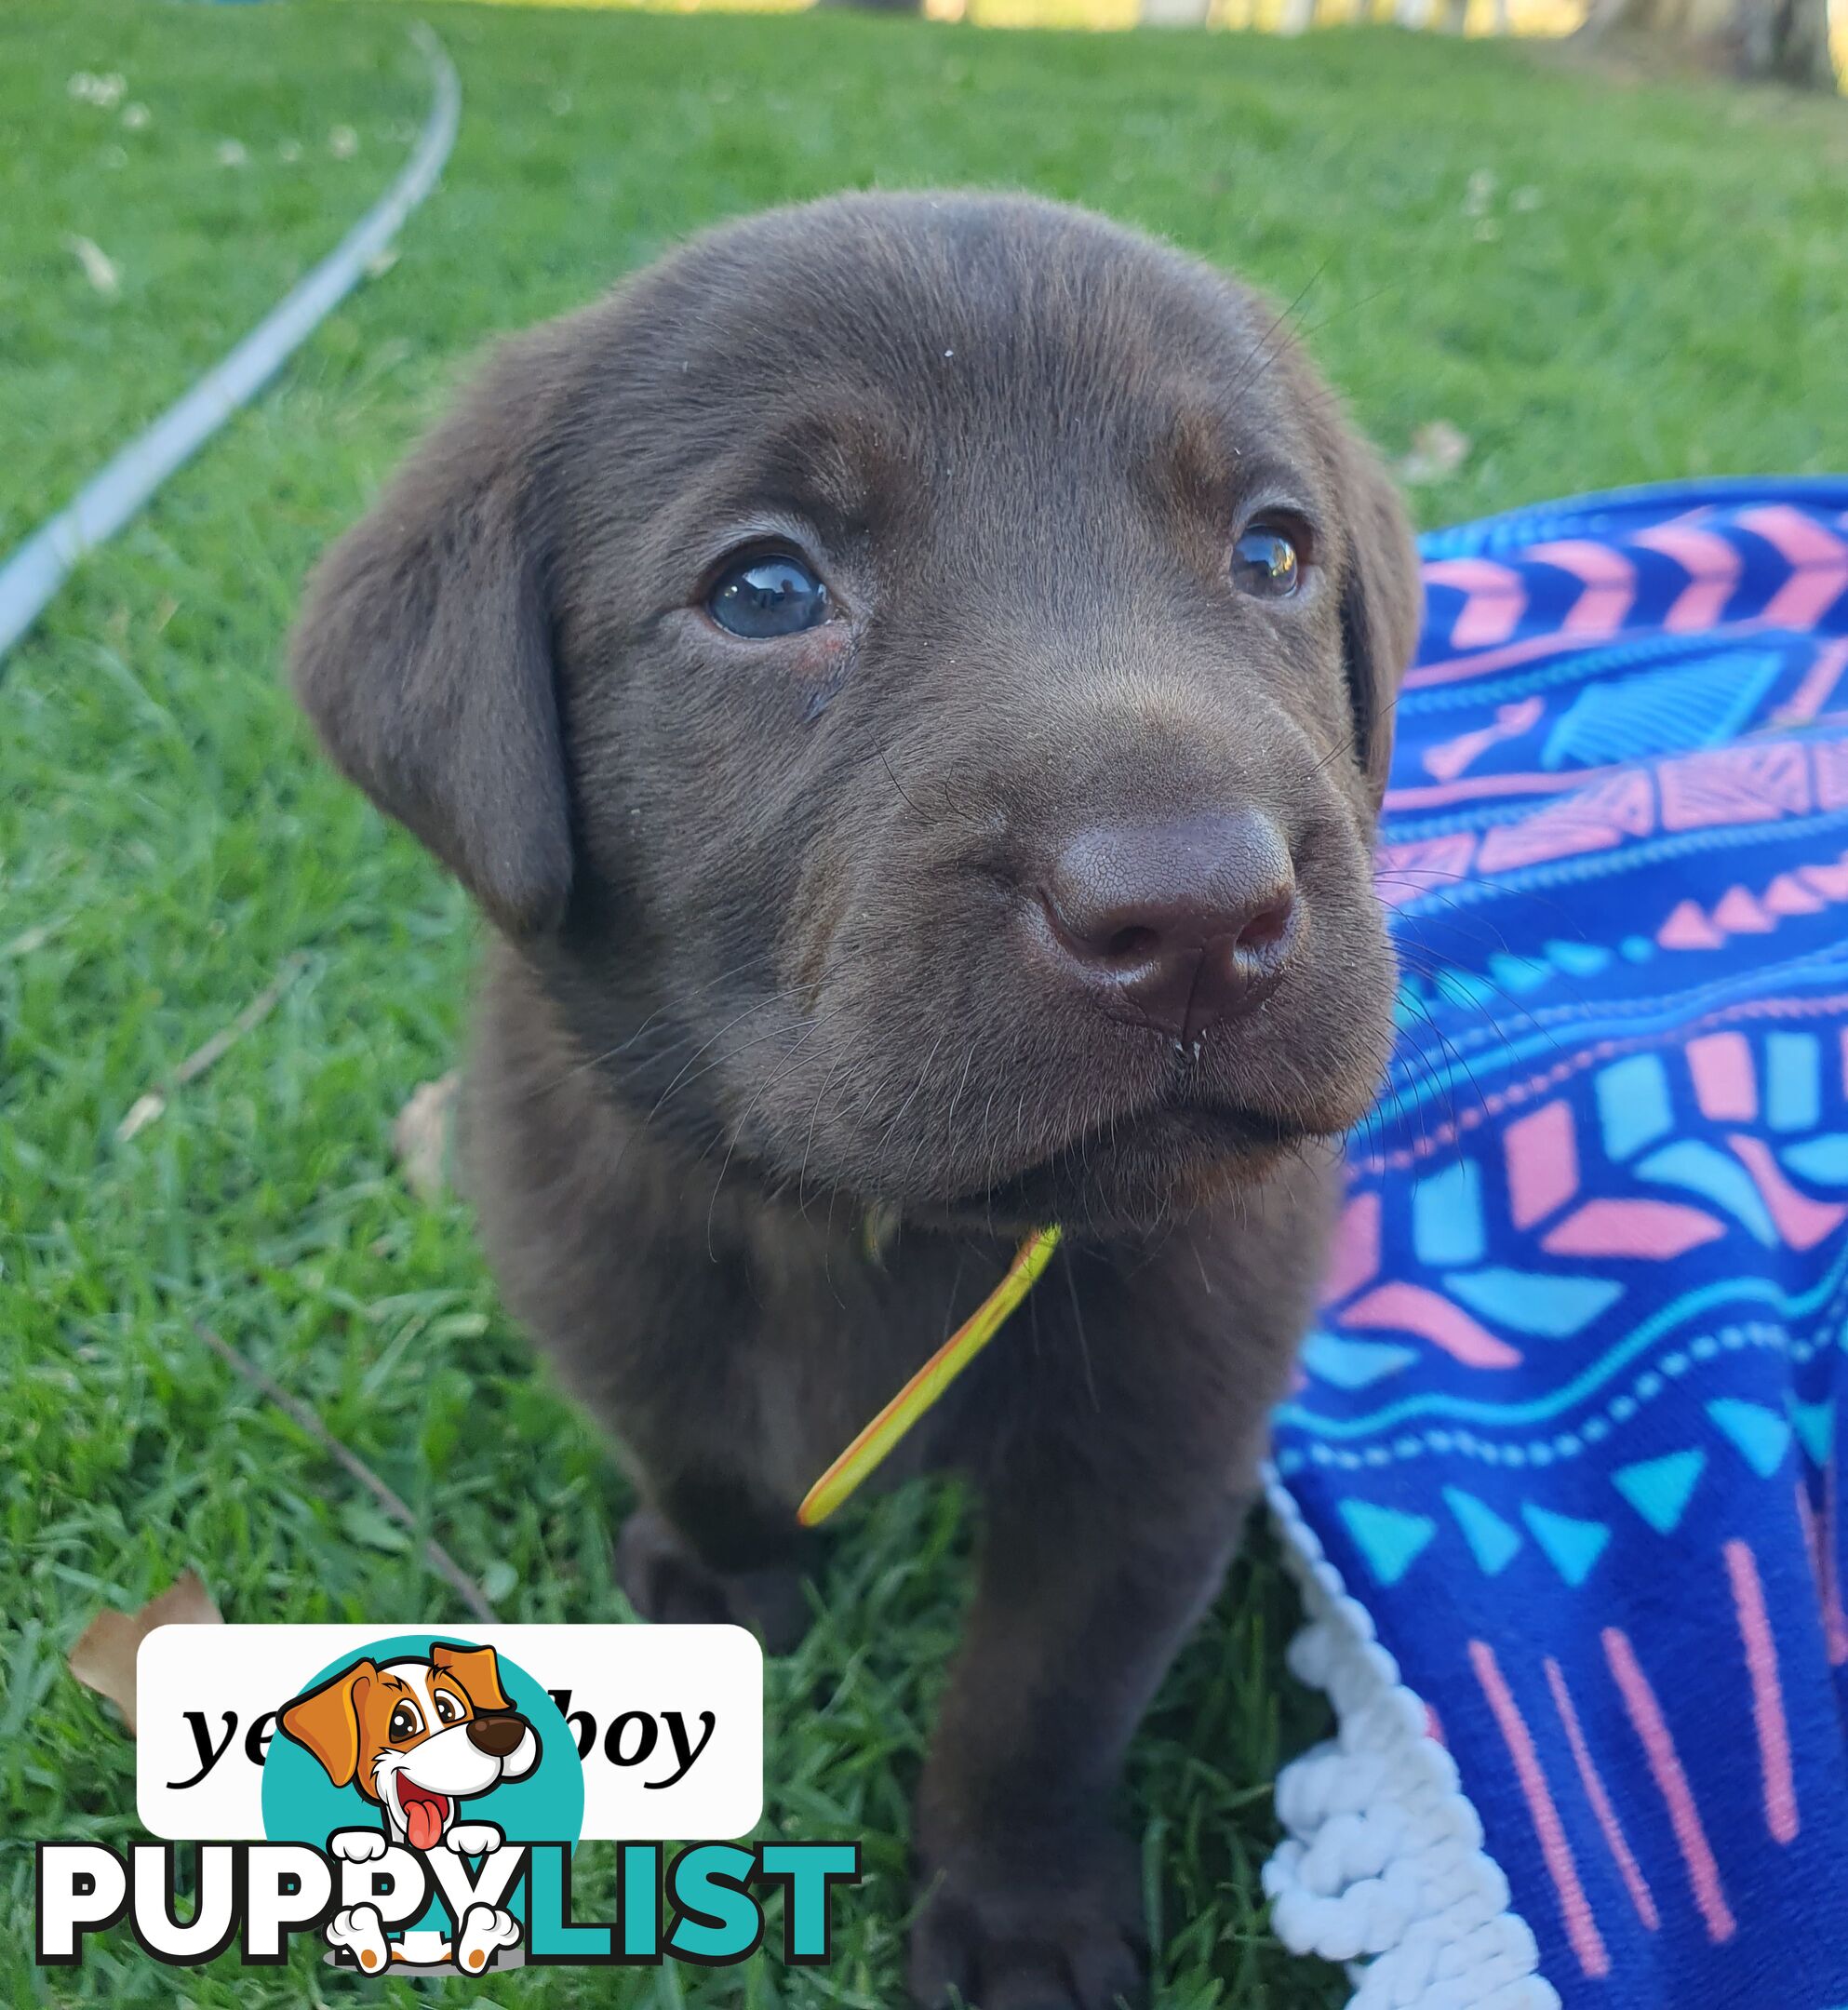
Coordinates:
[672,1041]
[767,1087]
[1481,982]
[809,1144]
[682,1078]
[923,1076]
[885,761]
[1387,290]
[1255,363]
[1453,1061]
[658,1016]
[688,1075]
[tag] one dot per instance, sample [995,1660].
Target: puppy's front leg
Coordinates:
[1031,1896]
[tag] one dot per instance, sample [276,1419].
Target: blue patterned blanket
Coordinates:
[1562,1473]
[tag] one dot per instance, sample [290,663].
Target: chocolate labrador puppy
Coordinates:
[909,680]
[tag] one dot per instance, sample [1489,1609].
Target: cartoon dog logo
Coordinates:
[418,1737]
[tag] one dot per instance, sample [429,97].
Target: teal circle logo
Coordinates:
[422,1742]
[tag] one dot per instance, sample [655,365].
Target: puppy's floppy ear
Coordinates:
[327,1720]
[478,1669]
[423,656]
[1382,602]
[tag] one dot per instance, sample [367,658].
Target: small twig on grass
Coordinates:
[147,1107]
[440,1559]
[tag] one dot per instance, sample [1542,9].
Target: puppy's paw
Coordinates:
[360,1931]
[358,1846]
[474,1839]
[667,1583]
[1052,1937]
[485,1929]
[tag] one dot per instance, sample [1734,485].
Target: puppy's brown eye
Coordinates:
[1265,561]
[761,599]
[405,1723]
[447,1709]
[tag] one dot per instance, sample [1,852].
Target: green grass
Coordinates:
[310,125]
[1673,300]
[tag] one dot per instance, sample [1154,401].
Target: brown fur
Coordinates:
[760,973]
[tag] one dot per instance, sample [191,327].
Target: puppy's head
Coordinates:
[914,675]
[416,1736]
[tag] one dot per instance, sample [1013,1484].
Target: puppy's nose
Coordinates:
[1181,925]
[498,1735]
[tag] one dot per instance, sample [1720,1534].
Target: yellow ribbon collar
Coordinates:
[876,1443]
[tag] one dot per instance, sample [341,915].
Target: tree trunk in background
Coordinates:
[1686,21]
[1786,39]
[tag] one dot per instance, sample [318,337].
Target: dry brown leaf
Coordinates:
[1437,450]
[103,1658]
[421,1137]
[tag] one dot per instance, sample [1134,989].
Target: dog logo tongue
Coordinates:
[423,1813]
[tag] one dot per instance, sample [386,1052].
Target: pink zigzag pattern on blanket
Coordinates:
[1711,563]
[1718,787]
[1541,1154]
[1495,600]
[1430,1143]
[1411,1309]
[1655,1231]
[1609,580]
[1818,560]
[1497,596]
[1739,911]
[1647,1774]
[1356,1248]
[1801,1220]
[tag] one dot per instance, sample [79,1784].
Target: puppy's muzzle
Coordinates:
[499,1736]
[1177,926]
